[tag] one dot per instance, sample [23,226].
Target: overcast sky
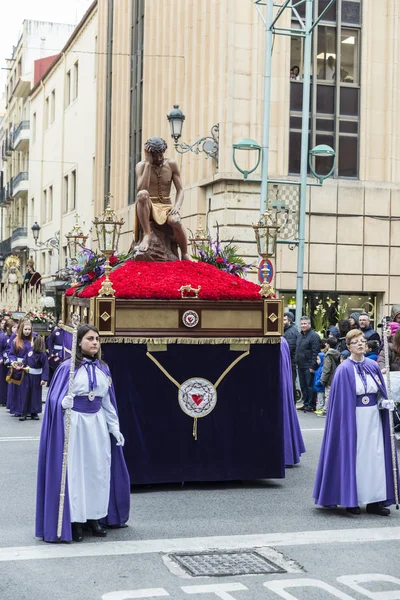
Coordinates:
[16,11]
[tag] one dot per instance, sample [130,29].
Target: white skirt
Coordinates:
[370,461]
[89,466]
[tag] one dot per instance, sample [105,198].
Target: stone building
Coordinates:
[38,41]
[214,70]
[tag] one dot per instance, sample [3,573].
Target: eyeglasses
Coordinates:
[353,343]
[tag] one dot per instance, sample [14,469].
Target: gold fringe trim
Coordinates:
[190,341]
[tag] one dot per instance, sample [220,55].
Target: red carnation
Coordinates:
[91,275]
[219,259]
[113,260]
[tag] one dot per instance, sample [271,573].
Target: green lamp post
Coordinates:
[246,144]
[321,151]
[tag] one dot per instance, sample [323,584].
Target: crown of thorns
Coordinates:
[156,144]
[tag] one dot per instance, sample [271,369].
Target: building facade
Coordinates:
[62,108]
[37,41]
[214,70]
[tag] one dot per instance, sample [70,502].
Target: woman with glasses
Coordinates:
[355,464]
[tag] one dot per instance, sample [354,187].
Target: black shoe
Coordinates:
[35,417]
[77,532]
[308,409]
[354,510]
[96,529]
[23,417]
[375,508]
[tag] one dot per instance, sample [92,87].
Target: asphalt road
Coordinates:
[324,554]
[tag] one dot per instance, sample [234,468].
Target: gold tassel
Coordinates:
[195,428]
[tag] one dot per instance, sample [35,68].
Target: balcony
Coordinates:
[5,246]
[20,185]
[21,136]
[19,239]
[22,88]
[6,150]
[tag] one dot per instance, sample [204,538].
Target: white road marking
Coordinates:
[280,586]
[20,439]
[131,594]
[219,589]
[43,551]
[353,582]
[316,429]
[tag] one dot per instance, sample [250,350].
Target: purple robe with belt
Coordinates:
[50,466]
[15,397]
[3,369]
[31,390]
[293,440]
[336,482]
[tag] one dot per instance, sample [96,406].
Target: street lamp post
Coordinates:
[208,144]
[53,242]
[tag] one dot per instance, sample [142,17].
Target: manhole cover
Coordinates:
[222,564]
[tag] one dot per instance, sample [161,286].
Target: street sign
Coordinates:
[270,271]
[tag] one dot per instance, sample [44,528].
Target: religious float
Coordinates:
[201,372]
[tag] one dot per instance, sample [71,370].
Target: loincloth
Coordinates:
[160,208]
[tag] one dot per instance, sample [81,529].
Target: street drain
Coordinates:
[224,564]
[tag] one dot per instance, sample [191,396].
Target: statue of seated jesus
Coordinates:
[156,219]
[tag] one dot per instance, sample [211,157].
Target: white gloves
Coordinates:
[119,437]
[67,402]
[388,404]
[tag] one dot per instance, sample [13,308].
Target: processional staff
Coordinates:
[391,421]
[75,325]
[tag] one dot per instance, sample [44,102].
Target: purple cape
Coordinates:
[50,464]
[293,440]
[335,482]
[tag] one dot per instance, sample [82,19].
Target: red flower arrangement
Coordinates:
[143,280]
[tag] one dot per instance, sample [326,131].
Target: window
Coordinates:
[47,113]
[73,190]
[32,215]
[76,80]
[335,88]
[34,128]
[53,106]
[135,133]
[67,89]
[50,203]
[43,266]
[65,194]
[44,206]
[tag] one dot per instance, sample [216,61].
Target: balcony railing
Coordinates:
[21,232]
[5,246]
[22,176]
[21,136]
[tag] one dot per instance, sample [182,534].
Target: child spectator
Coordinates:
[324,347]
[319,387]
[372,349]
[331,362]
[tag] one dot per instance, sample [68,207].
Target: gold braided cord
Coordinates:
[155,361]
[178,385]
[238,359]
[190,341]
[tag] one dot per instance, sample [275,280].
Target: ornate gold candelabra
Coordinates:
[266,232]
[108,230]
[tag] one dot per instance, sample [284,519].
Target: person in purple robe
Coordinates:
[97,487]
[355,464]
[55,347]
[19,347]
[3,367]
[37,366]
[293,440]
